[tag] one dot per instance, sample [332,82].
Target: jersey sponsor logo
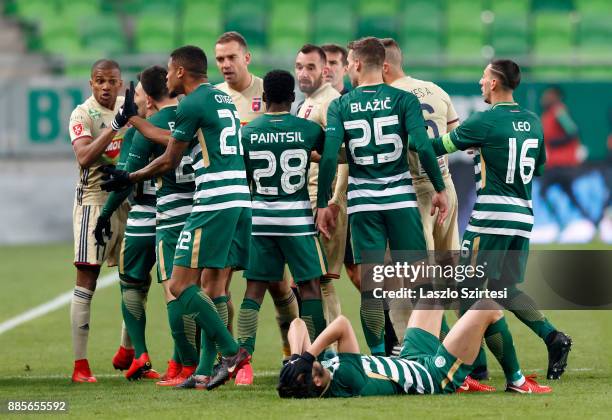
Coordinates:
[440,362]
[373,105]
[223,99]
[256,105]
[113,149]
[308,111]
[77,129]
[94,113]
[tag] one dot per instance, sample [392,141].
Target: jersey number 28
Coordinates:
[288,170]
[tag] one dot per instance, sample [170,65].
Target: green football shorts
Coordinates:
[136,258]
[269,254]
[447,372]
[504,257]
[401,229]
[166,245]
[215,239]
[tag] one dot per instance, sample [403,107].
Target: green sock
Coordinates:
[183,330]
[221,307]
[499,341]
[208,355]
[525,309]
[247,324]
[199,306]
[444,329]
[133,297]
[372,314]
[481,359]
[312,314]
[287,309]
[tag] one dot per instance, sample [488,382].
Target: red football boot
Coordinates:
[185,373]
[174,369]
[139,368]
[472,385]
[244,375]
[82,373]
[122,360]
[529,387]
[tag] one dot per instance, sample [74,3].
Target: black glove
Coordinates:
[103,227]
[114,179]
[301,365]
[128,110]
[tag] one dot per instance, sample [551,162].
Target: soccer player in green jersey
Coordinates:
[136,256]
[216,235]
[425,366]
[374,121]
[277,149]
[509,152]
[173,198]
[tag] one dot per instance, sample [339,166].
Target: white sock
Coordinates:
[330,301]
[80,310]
[519,382]
[125,337]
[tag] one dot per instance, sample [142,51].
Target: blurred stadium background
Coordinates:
[48,46]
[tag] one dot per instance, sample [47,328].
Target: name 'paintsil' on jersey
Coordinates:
[282,137]
[373,105]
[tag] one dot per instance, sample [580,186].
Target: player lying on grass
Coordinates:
[425,366]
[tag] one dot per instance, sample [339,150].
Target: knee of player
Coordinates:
[496,315]
[310,289]
[297,323]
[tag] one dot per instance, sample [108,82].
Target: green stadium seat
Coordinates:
[510,35]
[595,72]
[252,27]
[245,8]
[333,21]
[193,21]
[377,7]
[510,7]
[160,7]
[155,33]
[595,34]
[204,40]
[378,26]
[78,8]
[464,17]
[552,5]
[464,47]
[552,73]
[421,17]
[34,10]
[553,34]
[288,27]
[593,6]
[420,48]
[104,33]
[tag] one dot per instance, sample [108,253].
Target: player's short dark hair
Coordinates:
[508,71]
[153,81]
[301,386]
[278,85]
[369,50]
[310,48]
[336,49]
[191,58]
[105,64]
[233,36]
[393,52]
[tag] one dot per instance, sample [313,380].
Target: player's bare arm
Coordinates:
[340,331]
[88,150]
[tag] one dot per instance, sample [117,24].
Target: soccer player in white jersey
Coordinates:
[246,90]
[310,70]
[440,116]
[96,139]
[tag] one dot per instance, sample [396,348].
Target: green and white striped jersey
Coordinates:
[355,374]
[141,218]
[374,123]
[509,145]
[277,156]
[174,189]
[210,114]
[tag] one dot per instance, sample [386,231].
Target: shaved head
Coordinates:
[105,64]
[393,53]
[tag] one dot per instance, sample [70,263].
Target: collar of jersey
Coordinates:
[504,104]
[276,113]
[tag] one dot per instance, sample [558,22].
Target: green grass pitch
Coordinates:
[36,360]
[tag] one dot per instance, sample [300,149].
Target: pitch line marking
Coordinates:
[52,305]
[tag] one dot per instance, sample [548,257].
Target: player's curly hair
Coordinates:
[278,86]
[192,59]
[153,81]
[508,71]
